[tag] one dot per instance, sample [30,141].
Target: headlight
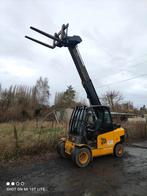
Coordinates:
[76,139]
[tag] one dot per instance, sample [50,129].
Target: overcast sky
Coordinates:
[114,46]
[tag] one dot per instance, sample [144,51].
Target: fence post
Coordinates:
[145,128]
[16,140]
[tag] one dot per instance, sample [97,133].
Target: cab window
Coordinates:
[107,118]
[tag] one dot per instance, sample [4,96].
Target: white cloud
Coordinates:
[16,68]
[114,44]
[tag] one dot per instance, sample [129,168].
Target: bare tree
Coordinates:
[42,90]
[21,102]
[112,98]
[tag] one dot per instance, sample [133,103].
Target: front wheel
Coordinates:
[61,149]
[119,150]
[81,156]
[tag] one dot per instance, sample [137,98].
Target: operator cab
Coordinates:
[87,123]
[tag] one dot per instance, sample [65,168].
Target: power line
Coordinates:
[117,82]
[107,50]
[128,63]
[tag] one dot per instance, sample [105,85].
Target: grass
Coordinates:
[29,138]
[136,130]
[17,139]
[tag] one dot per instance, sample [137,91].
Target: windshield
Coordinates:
[103,122]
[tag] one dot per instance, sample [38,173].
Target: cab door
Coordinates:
[106,139]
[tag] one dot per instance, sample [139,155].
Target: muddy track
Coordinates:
[105,176]
[136,146]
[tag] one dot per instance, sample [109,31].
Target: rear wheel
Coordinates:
[81,156]
[119,150]
[61,149]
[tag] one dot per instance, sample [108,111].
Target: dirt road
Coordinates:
[105,176]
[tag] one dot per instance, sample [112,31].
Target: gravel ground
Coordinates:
[105,176]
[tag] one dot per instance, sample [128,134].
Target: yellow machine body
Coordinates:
[105,143]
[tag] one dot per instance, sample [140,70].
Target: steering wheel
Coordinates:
[90,127]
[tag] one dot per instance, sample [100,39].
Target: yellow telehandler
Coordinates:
[91,131]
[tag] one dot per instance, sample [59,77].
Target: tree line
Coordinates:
[20,102]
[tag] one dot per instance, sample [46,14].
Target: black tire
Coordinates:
[61,149]
[119,150]
[81,156]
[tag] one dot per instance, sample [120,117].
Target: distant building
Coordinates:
[65,114]
[122,116]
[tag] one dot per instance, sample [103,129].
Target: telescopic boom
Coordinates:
[61,39]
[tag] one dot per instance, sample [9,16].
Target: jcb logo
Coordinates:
[103,141]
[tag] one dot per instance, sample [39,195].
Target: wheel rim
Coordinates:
[120,150]
[83,157]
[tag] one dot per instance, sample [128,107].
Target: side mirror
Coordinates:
[116,126]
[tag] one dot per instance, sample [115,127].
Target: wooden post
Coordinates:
[16,140]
